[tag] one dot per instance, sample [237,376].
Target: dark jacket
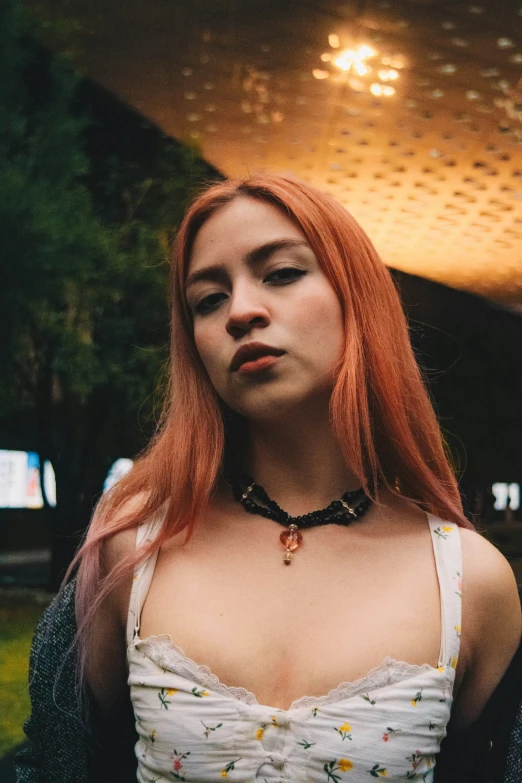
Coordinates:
[66,747]
[69,743]
[514,759]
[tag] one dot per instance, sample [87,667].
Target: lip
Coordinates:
[252,351]
[258,365]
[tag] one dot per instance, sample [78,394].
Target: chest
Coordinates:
[347,601]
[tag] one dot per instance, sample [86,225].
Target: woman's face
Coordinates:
[253,278]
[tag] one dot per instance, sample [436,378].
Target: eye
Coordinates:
[285,275]
[208,303]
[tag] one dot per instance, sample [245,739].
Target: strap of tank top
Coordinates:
[448,559]
[142,576]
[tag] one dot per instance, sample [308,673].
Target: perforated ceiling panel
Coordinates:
[421,138]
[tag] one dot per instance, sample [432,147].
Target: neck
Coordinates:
[299,463]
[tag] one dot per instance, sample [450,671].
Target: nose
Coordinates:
[246,311]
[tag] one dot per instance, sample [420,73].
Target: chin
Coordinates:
[266,407]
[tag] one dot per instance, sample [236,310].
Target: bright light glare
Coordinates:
[345,60]
[386,76]
[361,69]
[392,62]
[351,58]
[366,51]
[354,60]
[379,89]
[334,41]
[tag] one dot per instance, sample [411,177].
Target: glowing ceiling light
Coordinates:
[334,41]
[326,57]
[318,74]
[345,60]
[351,58]
[361,68]
[392,61]
[366,51]
[381,89]
[388,75]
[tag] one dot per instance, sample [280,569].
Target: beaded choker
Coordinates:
[255,500]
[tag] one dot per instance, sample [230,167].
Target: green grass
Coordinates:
[18,618]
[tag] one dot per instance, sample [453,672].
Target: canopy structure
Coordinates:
[409,112]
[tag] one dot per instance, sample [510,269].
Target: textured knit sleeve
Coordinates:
[57,747]
[514,759]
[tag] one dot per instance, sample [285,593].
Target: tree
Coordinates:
[85,232]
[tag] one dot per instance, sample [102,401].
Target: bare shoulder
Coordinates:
[106,664]
[491,622]
[114,549]
[117,546]
[489,579]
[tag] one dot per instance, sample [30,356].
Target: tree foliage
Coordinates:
[89,202]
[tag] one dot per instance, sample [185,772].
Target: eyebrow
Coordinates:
[253,258]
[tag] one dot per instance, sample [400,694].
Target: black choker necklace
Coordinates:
[350,507]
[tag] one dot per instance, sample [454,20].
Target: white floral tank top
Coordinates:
[388,724]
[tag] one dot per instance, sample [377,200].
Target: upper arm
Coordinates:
[106,661]
[55,711]
[491,624]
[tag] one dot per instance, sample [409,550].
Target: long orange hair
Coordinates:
[380,409]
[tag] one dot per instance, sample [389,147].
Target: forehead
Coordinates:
[237,228]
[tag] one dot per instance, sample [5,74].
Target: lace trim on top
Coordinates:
[163,651]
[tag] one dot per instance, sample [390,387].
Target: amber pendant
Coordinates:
[290,539]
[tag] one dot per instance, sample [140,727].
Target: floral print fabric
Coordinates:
[388,725]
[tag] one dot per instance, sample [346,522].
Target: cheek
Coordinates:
[207,347]
[320,319]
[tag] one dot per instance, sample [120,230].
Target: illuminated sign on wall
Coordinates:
[506,495]
[20,480]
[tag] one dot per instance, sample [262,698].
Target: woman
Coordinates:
[286,579]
